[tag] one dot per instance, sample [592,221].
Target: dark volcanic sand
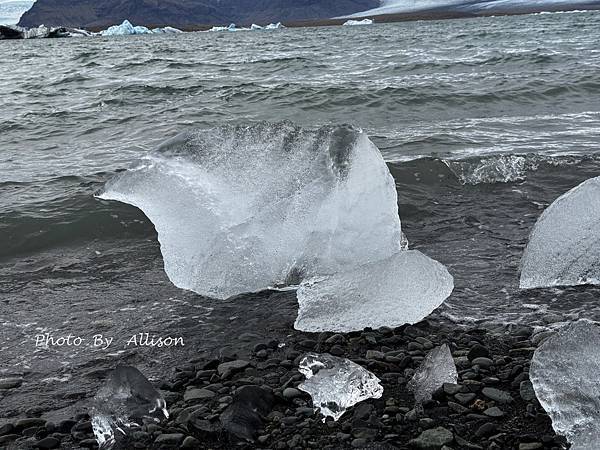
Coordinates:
[461,416]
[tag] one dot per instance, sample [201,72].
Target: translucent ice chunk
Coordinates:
[335,384]
[127,399]
[437,368]
[400,289]
[564,248]
[565,376]
[243,208]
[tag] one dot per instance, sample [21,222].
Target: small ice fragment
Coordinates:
[437,368]
[565,375]
[401,289]
[127,399]
[335,384]
[564,248]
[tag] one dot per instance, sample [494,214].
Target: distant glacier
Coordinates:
[12,10]
[475,6]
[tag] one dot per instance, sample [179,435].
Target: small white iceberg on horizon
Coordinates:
[352,22]
[253,27]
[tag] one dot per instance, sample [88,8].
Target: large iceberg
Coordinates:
[565,373]
[126,400]
[564,248]
[335,384]
[437,368]
[245,208]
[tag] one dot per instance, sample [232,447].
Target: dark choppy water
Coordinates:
[484,122]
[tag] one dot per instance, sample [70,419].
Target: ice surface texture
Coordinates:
[335,384]
[240,209]
[403,288]
[437,368]
[244,208]
[564,247]
[565,373]
[126,399]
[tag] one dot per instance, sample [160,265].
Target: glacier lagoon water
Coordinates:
[483,123]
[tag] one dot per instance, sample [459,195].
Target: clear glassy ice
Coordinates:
[126,400]
[437,368]
[403,288]
[245,208]
[335,384]
[565,373]
[564,248]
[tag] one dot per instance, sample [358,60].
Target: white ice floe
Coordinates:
[274,26]
[437,368]
[166,30]
[358,22]
[565,373]
[253,27]
[126,28]
[564,248]
[336,384]
[126,400]
[244,208]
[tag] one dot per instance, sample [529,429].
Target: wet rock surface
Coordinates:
[255,403]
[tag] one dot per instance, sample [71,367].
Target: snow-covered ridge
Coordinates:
[473,7]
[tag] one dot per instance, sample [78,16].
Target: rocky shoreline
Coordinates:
[493,406]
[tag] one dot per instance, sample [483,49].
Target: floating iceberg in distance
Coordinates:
[231,27]
[403,288]
[126,400]
[253,27]
[335,384]
[274,26]
[244,208]
[126,28]
[564,248]
[166,30]
[358,22]
[437,368]
[565,373]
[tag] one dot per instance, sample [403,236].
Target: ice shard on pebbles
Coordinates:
[565,373]
[335,384]
[126,400]
[564,248]
[437,368]
[244,208]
